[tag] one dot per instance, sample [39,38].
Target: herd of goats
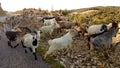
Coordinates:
[20,30]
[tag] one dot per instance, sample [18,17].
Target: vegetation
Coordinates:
[99,15]
[50,59]
[93,15]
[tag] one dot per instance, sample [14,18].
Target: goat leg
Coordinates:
[16,45]
[35,55]
[9,44]
[24,46]
[30,49]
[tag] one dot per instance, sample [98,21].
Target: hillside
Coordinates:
[79,56]
[96,15]
[93,15]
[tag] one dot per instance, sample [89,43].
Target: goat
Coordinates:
[13,36]
[61,43]
[104,39]
[49,29]
[48,20]
[31,41]
[95,29]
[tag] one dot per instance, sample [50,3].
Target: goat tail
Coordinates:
[49,42]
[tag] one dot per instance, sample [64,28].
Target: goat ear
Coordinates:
[104,27]
[33,38]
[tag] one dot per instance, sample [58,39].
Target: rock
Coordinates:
[88,66]
[62,63]
[72,66]
[79,56]
[83,66]
[94,67]
[63,59]
[99,63]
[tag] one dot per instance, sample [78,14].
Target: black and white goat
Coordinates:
[16,35]
[94,29]
[48,20]
[31,41]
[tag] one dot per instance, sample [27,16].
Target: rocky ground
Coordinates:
[81,57]
[78,57]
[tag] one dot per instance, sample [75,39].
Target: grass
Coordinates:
[49,59]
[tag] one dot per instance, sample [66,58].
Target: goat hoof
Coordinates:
[26,51]
[11,46]
[35,58]
[15,46]
[9,43]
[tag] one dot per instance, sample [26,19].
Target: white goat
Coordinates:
[49,21]
[96,29]
[62,42]
[31,41]
[49,29]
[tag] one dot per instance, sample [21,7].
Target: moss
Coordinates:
[41,51]
[50,59]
